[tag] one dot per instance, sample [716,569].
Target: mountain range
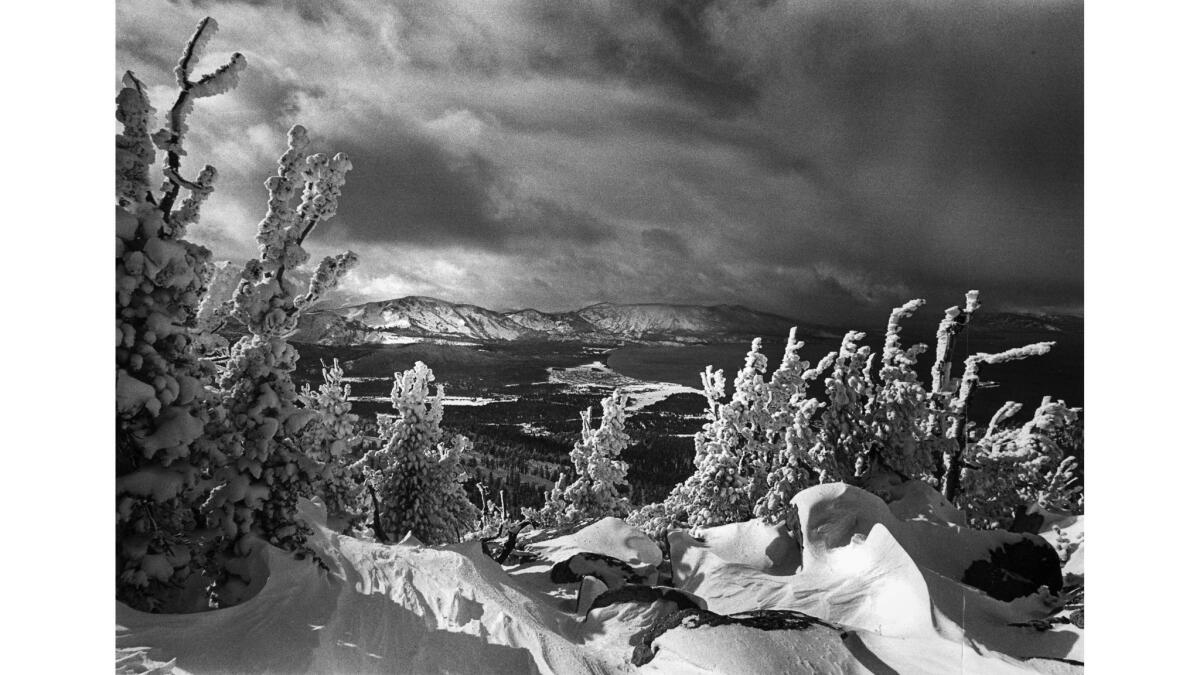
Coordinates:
[418,318]
[424,319]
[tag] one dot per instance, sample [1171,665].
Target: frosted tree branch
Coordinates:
[171,138]
[951,325]
[958,407]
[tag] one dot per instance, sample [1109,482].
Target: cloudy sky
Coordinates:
[822,159]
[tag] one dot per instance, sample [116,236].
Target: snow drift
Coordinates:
[856,588]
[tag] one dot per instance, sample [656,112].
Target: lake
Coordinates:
[683,365]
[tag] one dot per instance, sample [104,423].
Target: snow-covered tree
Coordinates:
[267,472]
[953,410]
[1011,468]
[206,457]
[163,405]
[755,451]
[418,474]
[333,439]
[596,492]
[554,509]
[771,439]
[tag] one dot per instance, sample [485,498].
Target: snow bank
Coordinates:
[854,589]
[381,609]
[895,584]
[610,536]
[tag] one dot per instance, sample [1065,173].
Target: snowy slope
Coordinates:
[435,317]
[892,582]
[563,324]
[638,321]
[382,609]
[855,589]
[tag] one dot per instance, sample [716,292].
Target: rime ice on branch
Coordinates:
[170,138]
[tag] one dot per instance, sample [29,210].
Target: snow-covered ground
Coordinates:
[857,587]
[446,400]
[598,376]
[590,377]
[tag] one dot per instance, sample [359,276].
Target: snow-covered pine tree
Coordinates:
[333,439]
[1012,468]
[771,439]
[902,439]
[417,475]
[163,404]
[597,490]
[553,511]
[753,452]
[729,450]
[268,472]
[954,411]
[802,461]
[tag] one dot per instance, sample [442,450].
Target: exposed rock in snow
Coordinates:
[773,641]
[613,573]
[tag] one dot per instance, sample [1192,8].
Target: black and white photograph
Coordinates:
[598,336]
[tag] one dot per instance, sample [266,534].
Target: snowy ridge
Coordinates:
[417,318]
[637,321]
[435,317]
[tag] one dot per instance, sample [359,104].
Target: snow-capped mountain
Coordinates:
[429,316]
[412,318]
[654,320]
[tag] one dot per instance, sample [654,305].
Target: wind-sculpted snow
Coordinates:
[893,583]
[610,536]
[380,609]
[852,589]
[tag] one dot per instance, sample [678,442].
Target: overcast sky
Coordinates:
[822,159]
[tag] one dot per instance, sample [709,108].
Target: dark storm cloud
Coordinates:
[949,138]
[413,191]
[649,43]
[823,159]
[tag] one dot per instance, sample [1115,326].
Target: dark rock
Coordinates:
[612,571]
[1027,519]
[647,595]
[764,619]
[1017,569]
